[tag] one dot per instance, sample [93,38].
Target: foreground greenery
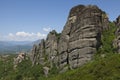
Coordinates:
[24,70]
[107,68]
[104,66]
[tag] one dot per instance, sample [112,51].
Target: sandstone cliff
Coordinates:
[77,43]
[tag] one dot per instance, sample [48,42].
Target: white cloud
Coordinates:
[47,29]
[24,36]
[10,34]
[39,35]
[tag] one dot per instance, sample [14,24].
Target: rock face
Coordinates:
[38,53]
[118,21]
[78,42]
[81,36]
[51,46]
[116,42]
[46,52]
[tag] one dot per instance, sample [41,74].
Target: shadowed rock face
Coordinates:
[116,42]
[118,21]
[38,53]
[78,42]
[46,51]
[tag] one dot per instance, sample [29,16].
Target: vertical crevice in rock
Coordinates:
[38,53]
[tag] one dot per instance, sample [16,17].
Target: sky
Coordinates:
[29,20]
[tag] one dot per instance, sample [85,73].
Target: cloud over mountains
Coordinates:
[23,36]
[47,29]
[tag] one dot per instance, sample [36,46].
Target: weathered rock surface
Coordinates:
[81,36]
[46,52]
[78,42]
[51,47]
[118,21]
[116,42]
[38,53]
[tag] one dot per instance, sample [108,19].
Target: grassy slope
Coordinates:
[101,69]
[24,71]
[6,67]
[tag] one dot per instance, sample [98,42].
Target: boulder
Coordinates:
[19,59]
[46,71]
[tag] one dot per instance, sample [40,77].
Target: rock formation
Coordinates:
[46,52]
[81,36]
[78,42]
[38,53]
[46,71]
[19,59]
[118,21]
[116,42]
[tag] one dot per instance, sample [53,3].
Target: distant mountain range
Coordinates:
[7,47]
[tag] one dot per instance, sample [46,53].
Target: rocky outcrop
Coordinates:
[78,42]
[46,52]
[38,53]
[19,59]
[46,71]
[51,46]
[105,21]
[81,36]
[116,42]
[118,21]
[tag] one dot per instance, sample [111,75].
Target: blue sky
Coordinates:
[22,20]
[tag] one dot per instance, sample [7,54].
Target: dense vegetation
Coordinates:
[107,40]
[24,71]
[104,66]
